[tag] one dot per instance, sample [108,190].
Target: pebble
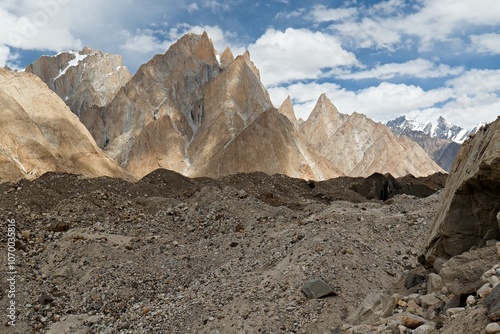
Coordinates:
[484,291]
[471,300]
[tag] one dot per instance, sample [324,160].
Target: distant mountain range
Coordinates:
[190,110]
[440,139]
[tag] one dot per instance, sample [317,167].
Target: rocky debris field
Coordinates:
[170,254]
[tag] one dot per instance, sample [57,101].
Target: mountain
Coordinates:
[441,128]
[440,139]
[193,112]
[40,134]
[360,146]
[199,113]
[82,79]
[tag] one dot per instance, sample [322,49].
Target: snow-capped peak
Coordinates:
[78,57]
[440,128]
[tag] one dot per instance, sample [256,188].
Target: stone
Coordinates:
[413,280]
[492,302]
[427,301]
[242,194]
[453,302]
[434,283]
[471,300]
[494,281]
[462,273]
[467,214]
[454,311]
[45,299]
[493,327]
[484,291]
[375,306]
[412,321]
[425,329]
[317,288]
[498,249]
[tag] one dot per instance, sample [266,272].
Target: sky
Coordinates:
[421,58]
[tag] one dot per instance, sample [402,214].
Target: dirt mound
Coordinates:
[169,254]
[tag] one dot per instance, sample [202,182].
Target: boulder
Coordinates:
[462,274]
[492,302]
[467,215]
[375,306]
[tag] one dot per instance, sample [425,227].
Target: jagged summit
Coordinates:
[82,79]
[286,109]
[440,128]
[226,58]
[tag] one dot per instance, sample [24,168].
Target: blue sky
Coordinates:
[423,58]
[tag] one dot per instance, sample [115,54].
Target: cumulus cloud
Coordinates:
[486,43]
[297,54]
[368,33]
[418,68]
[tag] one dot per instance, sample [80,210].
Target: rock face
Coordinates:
[361,147]
[82,79]
[40,134]
[469,205]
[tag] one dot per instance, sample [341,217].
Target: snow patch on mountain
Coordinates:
[440,128]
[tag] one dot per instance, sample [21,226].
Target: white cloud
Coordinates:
[321,13]
[368,33]
[384,25]
[381,103]
[297,54]
[486,43]
[418,68]
[290,15]
[192,7]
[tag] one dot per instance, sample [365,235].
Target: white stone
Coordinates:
[484,291]
[494,281]
[471,301]
[454,311]
[493,328]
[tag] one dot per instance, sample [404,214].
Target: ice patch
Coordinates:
[72,63]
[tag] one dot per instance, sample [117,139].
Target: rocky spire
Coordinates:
[226,58]
[287,110]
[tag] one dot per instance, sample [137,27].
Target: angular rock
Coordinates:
[428,300]
[413,280]
[467,213]
[492,302]
[462,273]
[317,288]
[376,305]
[434,283]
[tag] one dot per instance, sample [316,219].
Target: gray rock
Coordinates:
[413,280]
[428,300]
[434,283]
[492,302]
[317,288]
[467,215]
[462,273]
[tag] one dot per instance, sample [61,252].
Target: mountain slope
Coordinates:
[40,134]
[361,147]
[82,79]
